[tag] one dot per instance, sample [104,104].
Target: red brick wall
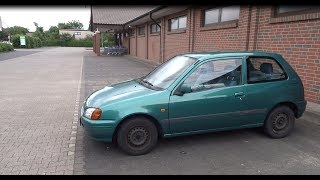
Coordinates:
[227,37]
[176,43]
[297,38]
[298,42]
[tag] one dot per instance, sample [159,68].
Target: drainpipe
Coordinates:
[256,29]
[150,15]
[248,28]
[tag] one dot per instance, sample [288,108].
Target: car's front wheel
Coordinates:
[280,122]
[137,136]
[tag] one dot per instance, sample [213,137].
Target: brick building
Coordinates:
[159,33]
[77,33]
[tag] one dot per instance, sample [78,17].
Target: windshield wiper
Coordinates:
[147,82]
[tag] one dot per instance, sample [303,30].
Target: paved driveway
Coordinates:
[38,97]
[246,151]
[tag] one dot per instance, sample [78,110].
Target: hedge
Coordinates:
[15,39]
[5,47]
[78,43]
[34,42]
[31,42]
[55,42]
[70,43]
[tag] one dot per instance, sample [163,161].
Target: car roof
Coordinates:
[217,54]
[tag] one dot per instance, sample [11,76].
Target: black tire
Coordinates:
[137,136]
[280,122]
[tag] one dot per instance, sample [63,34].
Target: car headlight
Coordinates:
[93,113]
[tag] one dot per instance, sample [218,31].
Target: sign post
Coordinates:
[22,41]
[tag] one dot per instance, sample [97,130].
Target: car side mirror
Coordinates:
[185,88]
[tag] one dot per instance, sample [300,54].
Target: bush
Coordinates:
[5,47]
[78,43]
[66,37]
[53,42]
[66,40]
[108,43]
[15,39]
[36,42]
[31,42]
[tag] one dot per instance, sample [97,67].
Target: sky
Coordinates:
[45,16]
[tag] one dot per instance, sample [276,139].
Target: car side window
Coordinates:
[261,69]
[215,74]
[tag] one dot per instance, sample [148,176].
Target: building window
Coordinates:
[77,33]
[285,10]
[178,23]
[141,31]
[154,28]
[222,14]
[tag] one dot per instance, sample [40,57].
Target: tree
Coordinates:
[38,28]
[71,25]
[3,36]
[66,37]
[75,24]
[53,33]
[54,29]
[108,39]
[89,28]
[39,33]
[16,30]
[36,24]
[64,26]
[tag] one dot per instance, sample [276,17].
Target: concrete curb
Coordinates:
[313,108]
[312,113]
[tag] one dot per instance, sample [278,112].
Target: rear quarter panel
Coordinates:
[266,95]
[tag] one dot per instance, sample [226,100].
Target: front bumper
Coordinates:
[100,130]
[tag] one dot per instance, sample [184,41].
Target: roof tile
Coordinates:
[118,14]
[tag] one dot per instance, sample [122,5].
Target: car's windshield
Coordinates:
[163,76]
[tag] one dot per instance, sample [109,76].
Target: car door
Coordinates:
[215,101]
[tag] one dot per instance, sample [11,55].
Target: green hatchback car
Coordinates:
[197,93]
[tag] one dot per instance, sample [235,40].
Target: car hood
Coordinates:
[117,92]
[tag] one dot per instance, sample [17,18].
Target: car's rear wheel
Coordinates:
[280,122]
[137,136]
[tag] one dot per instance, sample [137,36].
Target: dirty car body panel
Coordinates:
[244,105]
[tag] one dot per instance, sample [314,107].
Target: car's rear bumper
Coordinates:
[100,130]
[301,108]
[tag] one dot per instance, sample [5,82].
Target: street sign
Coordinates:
[22,40]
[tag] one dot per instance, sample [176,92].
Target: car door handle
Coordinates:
[239,94]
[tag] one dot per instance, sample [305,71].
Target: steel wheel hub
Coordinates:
[138,136]
[280,122]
